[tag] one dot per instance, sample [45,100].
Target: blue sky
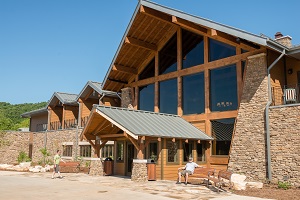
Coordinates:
[58,45]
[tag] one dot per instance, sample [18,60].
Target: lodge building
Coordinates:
[191,87]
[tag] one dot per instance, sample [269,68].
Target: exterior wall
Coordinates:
[11,144]
[295,66]
[71,112]
[35,120]
[56,114]
[108,101]
[285,146]
[247,154]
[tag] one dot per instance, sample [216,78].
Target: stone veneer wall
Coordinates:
[11,144]
[248,145]
[96,168]
[139,171]
[285,144]
[54,140]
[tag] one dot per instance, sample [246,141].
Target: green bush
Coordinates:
[284,185]
[23,157]
[46,154]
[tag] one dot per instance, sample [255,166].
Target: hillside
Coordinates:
[10,114]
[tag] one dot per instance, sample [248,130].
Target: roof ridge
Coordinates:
[65,93]
[141,111]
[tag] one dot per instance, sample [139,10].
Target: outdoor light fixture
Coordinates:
[290,71]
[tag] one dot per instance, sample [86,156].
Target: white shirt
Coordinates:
[190,166]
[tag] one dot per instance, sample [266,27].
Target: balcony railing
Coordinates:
[84,121]
[55,125]
[70,123]
[289,94]
[41,127]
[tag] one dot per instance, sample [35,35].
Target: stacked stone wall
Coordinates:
[11,144]
[285,144]
[139,171]
[247,154]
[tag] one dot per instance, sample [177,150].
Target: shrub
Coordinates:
[45,156]
[284,185]
[23,157]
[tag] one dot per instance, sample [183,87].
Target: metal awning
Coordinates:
[141,123]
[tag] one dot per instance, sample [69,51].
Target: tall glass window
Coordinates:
[67,151]
[222,130]
[168,96]
[146,97]
[172,148]
[120,151]
[200,152]
[168,56]
[192,49]
[219,50]
[149,70]
[85,150]
[223,88]
[153,152]
[193,101]
[187,151]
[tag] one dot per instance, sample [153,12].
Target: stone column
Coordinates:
[126,97]
[139,170]
[248,146]
[96,168]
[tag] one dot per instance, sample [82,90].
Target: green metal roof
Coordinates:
[144,123]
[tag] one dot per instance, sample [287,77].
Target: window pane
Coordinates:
[193,101]
[168,96]
[222,133]
[146,98]
[172,151]
[149,71]
[187,151]
[192,49]
[85,150]
[67,151]
[223,89]
[200,152]
[219,50]
[168,56]
[153,154]
[120,151]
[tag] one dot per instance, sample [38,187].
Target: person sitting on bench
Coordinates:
[187,170]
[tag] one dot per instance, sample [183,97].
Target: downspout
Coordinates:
[78,123]
[267,114]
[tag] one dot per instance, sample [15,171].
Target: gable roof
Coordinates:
[139,20]
[143,123]
[96,86]
[35,112]
[64,98]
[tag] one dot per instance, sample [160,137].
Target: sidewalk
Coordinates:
[17,185]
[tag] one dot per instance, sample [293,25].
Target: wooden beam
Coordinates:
[212,32]
[117,81]
[112,136]
[189,25]
[140,43]
[159,139]
[124,69]
[173,140]
[103,144]
[156,14]
[92,144]
[186,141]
[198,141]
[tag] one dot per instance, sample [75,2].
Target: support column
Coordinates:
[139,170]
[96,168]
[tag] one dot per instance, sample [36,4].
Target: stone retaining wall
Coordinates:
[11,144]
[285,144]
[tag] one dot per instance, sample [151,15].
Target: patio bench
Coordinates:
[224,177]
[202,173]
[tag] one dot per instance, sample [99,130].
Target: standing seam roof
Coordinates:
[143,123]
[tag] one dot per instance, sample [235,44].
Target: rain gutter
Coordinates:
[267,115]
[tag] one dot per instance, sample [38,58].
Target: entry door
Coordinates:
[130,156]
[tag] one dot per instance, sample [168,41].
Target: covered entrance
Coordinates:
[142,137]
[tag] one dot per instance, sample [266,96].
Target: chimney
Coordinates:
[127,97]
[284,40]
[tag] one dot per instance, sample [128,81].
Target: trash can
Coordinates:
[108,166]
[151,170]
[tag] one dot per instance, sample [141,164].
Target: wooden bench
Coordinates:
[224,177]
[203,173]
[69,167]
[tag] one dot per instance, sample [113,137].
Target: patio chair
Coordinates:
[290,95]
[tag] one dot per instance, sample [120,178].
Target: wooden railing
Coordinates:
[84,121]
[70,123]
[55,125]
[41,127]
[289,94]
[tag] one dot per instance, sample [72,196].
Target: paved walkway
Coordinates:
[36,186]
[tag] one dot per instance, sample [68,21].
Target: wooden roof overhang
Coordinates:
[147,33]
